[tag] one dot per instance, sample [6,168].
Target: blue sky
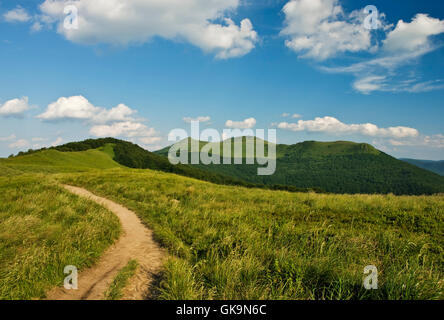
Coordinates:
[137,76]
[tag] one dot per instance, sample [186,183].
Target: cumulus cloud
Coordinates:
[408,145]
[19,144]
[122,22]
[116,122]
[404,45]
[14,107]
[123,129]
[409,37]
[320,29]
[71,108]
[334,126]
[246,124]
[200,119]
[17,15]
[79,108]
[433,141]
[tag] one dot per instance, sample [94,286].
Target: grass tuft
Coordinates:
[115,290]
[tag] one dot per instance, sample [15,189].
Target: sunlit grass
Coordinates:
[53,161]
[236,243]
[44,228]
[224,242]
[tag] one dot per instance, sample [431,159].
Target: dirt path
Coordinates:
[136,242]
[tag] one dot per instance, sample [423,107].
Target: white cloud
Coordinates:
[407,146]
[72,108]
[320,29]
[19,144]
[369,84]
[425,86]
[79,108]
[246,124]
[119,113]
[14,107]
[10,138]
[123,129]
[404,45]
[285,114]
[296,116]
[409,37]
[17,15]
[334,126]
[200,119]
[115,122]
[433,141]
[126,22]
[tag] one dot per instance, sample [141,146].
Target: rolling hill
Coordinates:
[223,242]
[110,153]
[54,161]
[434,166]
[337,167]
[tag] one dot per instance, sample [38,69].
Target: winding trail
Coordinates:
[136,242]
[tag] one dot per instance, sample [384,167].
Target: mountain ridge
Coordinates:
[341,167]
[126,154]
[433,166]
[337,167]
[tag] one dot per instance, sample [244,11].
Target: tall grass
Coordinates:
[44,228]
[236,243]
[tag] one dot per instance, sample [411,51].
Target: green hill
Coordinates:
[223,242]
[109,153]
[337,167]
[54,161]
[434,166]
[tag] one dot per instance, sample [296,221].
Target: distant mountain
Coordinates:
[434,166]
[337,167]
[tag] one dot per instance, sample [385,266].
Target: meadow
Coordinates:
[44,228]
[224,242]
[229,242]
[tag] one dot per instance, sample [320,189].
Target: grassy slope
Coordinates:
[44,228]
[434,166]
[225,242]
[133,156]
[338,167]
[236,243]
[53,161]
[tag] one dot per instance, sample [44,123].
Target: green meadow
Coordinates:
[44,228]
[224,242]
